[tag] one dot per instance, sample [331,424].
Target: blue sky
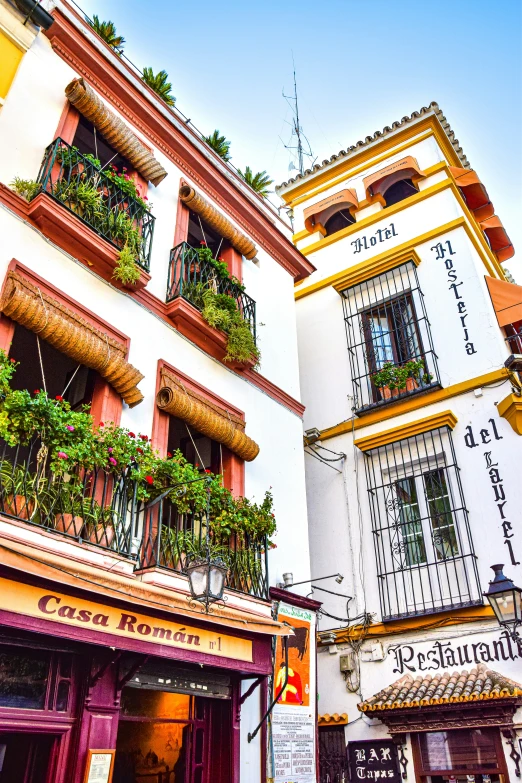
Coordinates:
[360,66]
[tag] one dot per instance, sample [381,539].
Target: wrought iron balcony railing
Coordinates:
[76,182]
[170,538]
[189,276]
[102,508]
[92,506]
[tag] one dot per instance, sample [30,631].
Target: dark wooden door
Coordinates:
[333,759]
[24,758]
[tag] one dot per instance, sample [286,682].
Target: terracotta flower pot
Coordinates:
[411,385]
[19,506]
[67,523]
[101,534]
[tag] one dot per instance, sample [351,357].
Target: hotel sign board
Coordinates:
[32,601]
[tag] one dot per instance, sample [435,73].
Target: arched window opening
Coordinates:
[338,221]
[399,191]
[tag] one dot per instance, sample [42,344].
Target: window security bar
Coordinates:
[387,326]
[423,546]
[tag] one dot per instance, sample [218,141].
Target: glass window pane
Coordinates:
[458,751]
[405,330]
[380,335]
[147,752]
[441,516]
[155,704]
[62,696]
[23,678]
[409,522]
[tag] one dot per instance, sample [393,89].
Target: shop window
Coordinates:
[35,679]
[390,347]
[399,191]
[338,221]
[462,754]
[423,546]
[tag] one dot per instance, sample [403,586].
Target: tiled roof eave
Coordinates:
[433,108]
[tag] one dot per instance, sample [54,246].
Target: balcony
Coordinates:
[93,201]
[95,507]
[189,277]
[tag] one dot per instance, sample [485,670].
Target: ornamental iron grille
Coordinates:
[423,546]
[333,759]
[387,324]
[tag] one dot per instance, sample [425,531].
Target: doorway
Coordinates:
[25,758]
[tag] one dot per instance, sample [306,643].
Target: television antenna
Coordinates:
[298,140]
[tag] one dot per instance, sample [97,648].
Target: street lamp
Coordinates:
[206,574]
[506,601]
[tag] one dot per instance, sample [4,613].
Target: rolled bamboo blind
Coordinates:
[72,335]
[217,221]
[211,420]
[114,130]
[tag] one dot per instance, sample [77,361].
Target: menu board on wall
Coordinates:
[373,760]
[99,768]
[294,719]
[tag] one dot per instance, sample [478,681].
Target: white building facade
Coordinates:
[413,444]
[68,98]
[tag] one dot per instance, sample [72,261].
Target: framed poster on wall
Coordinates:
[100,766]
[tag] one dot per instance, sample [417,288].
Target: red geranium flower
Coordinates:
[13,360]
[169,454]
[149,479]
[140,451]
[101,424]
[59,398]
[207,471]
[144,438]
[132,435]
[36,391]
[203,243]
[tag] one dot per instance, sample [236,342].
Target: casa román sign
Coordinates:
[367,242]
[80,613]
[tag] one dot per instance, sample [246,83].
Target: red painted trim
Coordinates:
[106,403]
[117,86]
[68,124]
[20,207]
[278,594]
[78,239]
[188,320]
[234,261]
[7,327]
[182,220]
[67,301]
[233,466]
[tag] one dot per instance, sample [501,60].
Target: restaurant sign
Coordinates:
[78,613]
[373,760]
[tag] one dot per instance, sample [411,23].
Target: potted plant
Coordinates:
[67,506]
[17,490]
[392,379]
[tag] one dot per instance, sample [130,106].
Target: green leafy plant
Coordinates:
[26,188]
[222,312]
[395,376]
[158,82]
[82,197]
[107,31]
[219,144]
[259,182]
[126,270]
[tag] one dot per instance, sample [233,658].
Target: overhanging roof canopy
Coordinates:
[478,684]
[66,331]
[507,300]
[217,221]
[498,239]
[316,215]
[474,192]
[381,180]
[114,130]
[207,418]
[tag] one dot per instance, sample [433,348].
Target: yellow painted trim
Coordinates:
[510,408]
[337,279]
[487,257]
[353,228]
[364,271]
[353,162]
[414,403]
[409,430]
[468,614]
